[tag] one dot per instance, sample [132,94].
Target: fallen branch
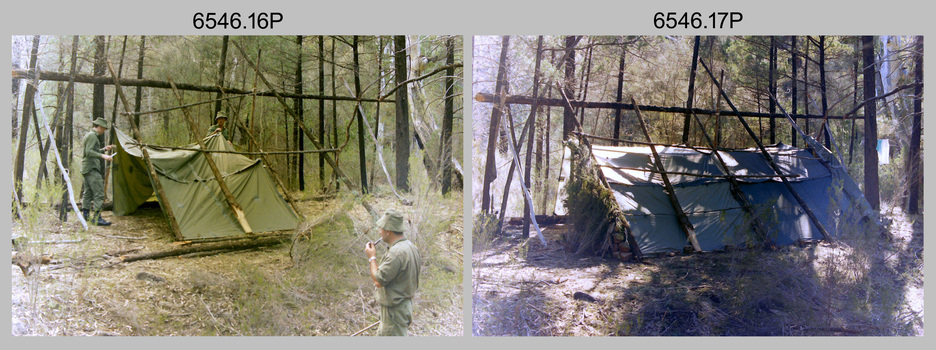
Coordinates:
[366,328]
[228,246]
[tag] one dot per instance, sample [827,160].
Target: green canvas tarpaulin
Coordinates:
[717,217]
[192,192]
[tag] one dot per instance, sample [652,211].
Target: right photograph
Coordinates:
[697,185]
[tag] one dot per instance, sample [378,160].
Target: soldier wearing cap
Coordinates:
[93,172]
[396,276]
[218,127]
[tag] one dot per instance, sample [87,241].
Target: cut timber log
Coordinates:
[220,246]
[527,100]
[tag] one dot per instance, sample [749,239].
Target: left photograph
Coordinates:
[237,185]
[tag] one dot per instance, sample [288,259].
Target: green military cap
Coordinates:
[100,122]
[391,221]
[219,116]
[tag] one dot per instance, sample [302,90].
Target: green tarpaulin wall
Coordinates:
[718,218]
[193,193]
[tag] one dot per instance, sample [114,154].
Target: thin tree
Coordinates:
[445,152]
[794,93]
[402,132]
[526,167]
[221,68]
[772,88]
[360,117]
[914,163]
[297,136]
[568,115]
[321,106]
[28,103]
[870,124]
[692,74]
[490,168]
[66,148]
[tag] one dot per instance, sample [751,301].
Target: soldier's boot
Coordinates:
[85,213]
[99,220]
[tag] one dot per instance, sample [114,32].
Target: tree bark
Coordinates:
[870,125]
[446,151]
[490,167]
[568,115]
[692,72]
[218,95]
[772,88]
[914,161]
[334,118]
[138,98]
[321,107]
[794,91]
[822,91]
[619,96]
[529,155]
[66,150]
[362,156]
[402,132]
[300,158]
[28,103]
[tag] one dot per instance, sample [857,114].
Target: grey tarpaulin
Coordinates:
[718,218]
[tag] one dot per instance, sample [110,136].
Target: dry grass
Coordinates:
[325,290]
[862,285]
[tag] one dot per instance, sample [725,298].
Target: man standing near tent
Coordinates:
[93,172]
[396,276]
[218,127]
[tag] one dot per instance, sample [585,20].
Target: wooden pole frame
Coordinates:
[684,223]
[228,196]
[799,200]
[157,185]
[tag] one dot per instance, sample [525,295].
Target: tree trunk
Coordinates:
[28,103]
[870,125]
[362,156]
[66,148]
[138,99]
[619,96]
[219,94]
[321,107]
[806,84]
[568,115]
[794,92]
[692,72]
[402,133]
[17,47]
[490,167]
[446,151]
[335,117]
[822,91]
[772,88]
[297,136]
[529,151]
[914,161]
[209,247]
[586,75]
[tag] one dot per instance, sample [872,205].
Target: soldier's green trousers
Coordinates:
[395,320]
[93,197]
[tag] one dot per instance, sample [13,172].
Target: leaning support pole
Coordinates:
[157,186]
[760,146]
[279,182]
[231,201]
[526,191]
[739,196]
[684,223]
[58,159]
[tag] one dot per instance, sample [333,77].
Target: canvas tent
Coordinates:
[197,203]
[704,194]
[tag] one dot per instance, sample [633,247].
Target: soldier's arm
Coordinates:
[388,269]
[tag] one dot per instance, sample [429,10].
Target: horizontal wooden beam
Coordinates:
[89,79]
[526,100]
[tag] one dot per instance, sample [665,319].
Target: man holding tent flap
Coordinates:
[396,276]
[93,172]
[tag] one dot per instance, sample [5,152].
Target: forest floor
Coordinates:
[320,286]
[861,285]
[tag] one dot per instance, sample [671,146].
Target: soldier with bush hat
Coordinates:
[396,276]
[93,172]
[218,127]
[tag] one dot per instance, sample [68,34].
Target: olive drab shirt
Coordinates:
[224,132]
[398,273]
[92,149]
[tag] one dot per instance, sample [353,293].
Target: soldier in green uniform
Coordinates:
[218,127]
[93,172]
[396,276]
